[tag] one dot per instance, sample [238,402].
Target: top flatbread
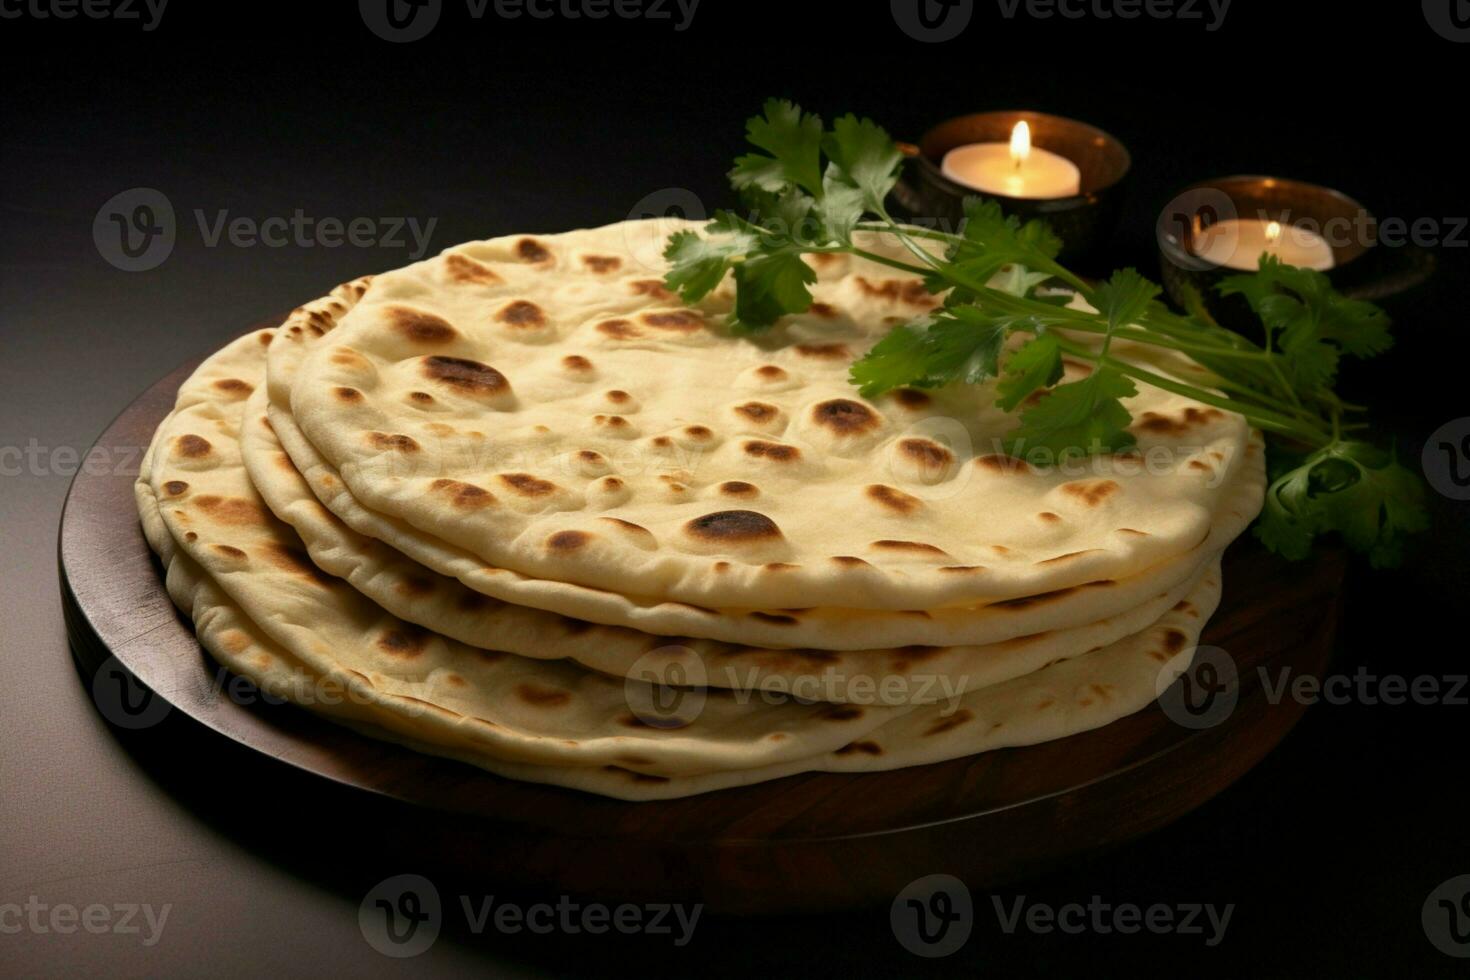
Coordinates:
[822,628]
[545,405]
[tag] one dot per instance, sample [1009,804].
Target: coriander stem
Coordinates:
[1264,417]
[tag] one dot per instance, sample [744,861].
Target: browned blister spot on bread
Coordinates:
[1192,418]
[234,387]
[602,263]
[236,511]
[521,313]
[415,586]
[541,696]
[733,526]
[679,321]
[566,542]
[346,394]
[825,352]
[526,485]
[175,487]
[192,447]
[404,640]
[228,551]
[894,500]
[531,250]
[465,496]
[930,456]
[419,326]
[461,269]
[844,416]
[470,377]
[757,411]
[650,287]
[618,329]
[779,452]
[393,442]
[1090,492]
[910,291]
[738,488]
[953,721]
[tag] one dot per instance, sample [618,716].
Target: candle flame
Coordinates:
[1020,143]
[1273,232]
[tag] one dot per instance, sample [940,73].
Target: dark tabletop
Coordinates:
[1327,851]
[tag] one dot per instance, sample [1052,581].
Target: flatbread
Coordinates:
[264,611]
[445,605]
[819,628]
[543,404]
[514,708]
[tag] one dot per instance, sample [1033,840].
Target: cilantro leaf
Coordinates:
[991,241]
[1309,322]
[794,141]
[768,286]
[865,157]
[1124,298]
[1035,364]
[839,210]
[1354,488]
[697,265]
[699,262]
[1077,418]
[962,344]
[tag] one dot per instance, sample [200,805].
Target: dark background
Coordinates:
[1328,849]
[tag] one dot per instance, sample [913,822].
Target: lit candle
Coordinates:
[1014,169]
[1240,243]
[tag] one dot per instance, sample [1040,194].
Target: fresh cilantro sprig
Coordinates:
[1005,319]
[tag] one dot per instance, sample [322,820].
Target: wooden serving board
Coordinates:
[804,842]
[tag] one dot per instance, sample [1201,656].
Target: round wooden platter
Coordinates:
[804,842]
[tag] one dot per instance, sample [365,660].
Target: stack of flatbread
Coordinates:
[517,505]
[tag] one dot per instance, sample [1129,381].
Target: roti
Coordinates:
[542,403]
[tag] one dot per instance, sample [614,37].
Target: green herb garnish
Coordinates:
[1324,479]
